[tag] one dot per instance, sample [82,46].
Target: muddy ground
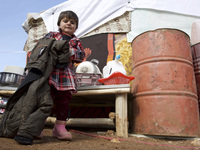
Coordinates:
[102,139]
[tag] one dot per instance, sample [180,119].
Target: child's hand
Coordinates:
[70,50]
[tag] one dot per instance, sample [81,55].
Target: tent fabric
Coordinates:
[143,20]
[187,7]
[29,21]
[105,47]
[37,30]
[94,13]
[124,49]
[121,24]
[100,47]
[195,32]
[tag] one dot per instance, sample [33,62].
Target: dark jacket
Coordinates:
[28,108]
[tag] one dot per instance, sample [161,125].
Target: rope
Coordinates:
[147,143]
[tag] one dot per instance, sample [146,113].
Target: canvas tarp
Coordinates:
[143,20]
[36,28]
[94,13]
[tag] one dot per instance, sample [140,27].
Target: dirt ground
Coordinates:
[101,139]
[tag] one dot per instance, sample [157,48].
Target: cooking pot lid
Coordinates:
[86,67]
[14,69]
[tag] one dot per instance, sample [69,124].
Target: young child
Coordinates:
[61,79]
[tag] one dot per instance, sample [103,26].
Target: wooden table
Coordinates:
[104,92]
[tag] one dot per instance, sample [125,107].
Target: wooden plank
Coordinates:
[121,115]
[102,91]
[95,90]
[113,86]
[4,93]
[10,90]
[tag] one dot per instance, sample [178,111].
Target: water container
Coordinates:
[113,66]
[164,90]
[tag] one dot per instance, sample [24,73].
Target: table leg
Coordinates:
[121,115]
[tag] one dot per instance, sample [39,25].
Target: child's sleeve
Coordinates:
[77,51]
[50,35]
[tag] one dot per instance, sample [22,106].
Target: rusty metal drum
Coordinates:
[164,90]
[196,62]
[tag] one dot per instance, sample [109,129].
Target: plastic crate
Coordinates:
[116,78]
[87,79]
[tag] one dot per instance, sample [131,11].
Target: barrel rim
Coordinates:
[159,29]
[195,44]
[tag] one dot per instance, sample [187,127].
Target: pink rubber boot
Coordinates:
[40,136]
[60,132]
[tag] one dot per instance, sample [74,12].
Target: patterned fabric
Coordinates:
[63,79]
[100,47]
[124,49]
[121,24]
[36,30]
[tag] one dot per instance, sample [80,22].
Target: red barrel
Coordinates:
[196,62]
[164,90]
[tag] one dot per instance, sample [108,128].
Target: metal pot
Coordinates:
[88,67]
[10,79]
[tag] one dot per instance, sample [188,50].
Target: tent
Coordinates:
[127,18]
[94,13]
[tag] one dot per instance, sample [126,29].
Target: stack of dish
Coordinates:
[12,76]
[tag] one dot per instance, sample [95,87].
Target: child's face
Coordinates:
[68,26]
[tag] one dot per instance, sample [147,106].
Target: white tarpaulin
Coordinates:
[93,13]
[143,20]
[188,7]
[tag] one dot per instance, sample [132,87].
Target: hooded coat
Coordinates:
[30,105]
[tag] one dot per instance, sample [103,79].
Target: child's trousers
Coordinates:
[61,100]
